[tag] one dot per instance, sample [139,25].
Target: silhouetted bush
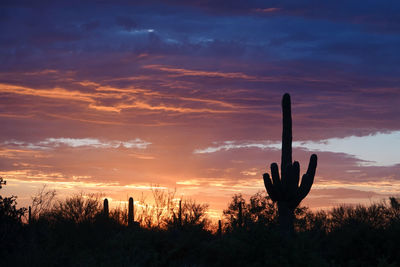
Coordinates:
[78,208]
[260,211]
[42,202]
[190,216]
[10,222]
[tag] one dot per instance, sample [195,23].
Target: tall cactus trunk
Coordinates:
[286,214]
[285,219]
[284,188]
[105,208]
[131,214]
[286,156]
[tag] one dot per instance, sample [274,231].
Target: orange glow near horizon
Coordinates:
[170,126]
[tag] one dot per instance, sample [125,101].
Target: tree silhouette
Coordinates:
[9,213]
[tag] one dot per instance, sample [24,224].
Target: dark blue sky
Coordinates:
[353,36]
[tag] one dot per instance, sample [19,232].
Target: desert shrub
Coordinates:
[260,211]
[232,215]
[43,202]
[156,213]
[78,208]
[192,215]
[119,215]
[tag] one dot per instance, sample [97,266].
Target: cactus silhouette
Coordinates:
[219,232]
[29,215]
[240,215]
[105,208]
[285,189]
[180,214]
[131,214]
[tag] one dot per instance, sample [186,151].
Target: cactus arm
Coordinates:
[308,178]
[305,187]
[270,188]
[276,180]
[312,165]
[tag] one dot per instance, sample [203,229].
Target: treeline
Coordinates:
[162,211]
[76,232]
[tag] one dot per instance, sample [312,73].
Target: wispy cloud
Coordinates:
[228,145]
[188,72]
[181,72]
[50,143]
[105,98]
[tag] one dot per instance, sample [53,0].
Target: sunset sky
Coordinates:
[113,98]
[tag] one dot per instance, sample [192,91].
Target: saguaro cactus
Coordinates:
[29,215]
[105,207]
[285,189]
[180,214]
[219,232]
[240,215]
[131,214]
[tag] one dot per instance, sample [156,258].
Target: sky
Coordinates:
[115,97]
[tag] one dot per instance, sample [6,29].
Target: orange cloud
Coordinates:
[18,153]
[186,72]
[57,93]
[123,98]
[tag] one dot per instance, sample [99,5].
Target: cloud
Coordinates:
[380,149]
[51,143]
[228,145]
[333,197]
[111,99]
[187,72]
[228,75]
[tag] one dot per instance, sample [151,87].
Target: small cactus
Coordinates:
[180,214]
[285,189]
[219,233]
[105,208]
[131,214]
[240,215]
[29,215]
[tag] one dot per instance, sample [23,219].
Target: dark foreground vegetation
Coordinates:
[75,232]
